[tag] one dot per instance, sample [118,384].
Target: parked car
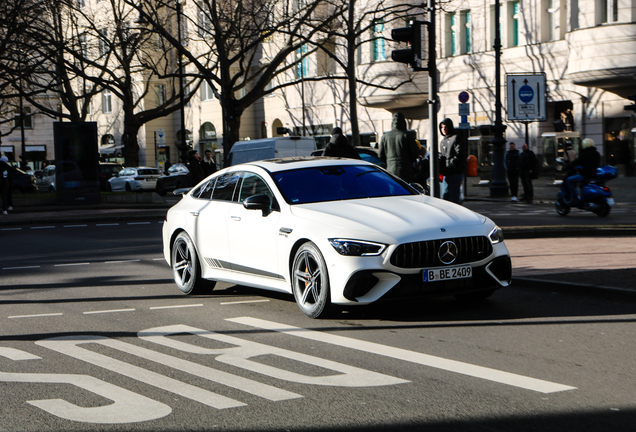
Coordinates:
[134,179]
[330,232]
[178,177]
[368,154]
[46,183]
[23,182]
[107,170]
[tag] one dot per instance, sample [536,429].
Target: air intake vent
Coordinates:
[425,254]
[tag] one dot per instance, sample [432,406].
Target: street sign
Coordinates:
[526,97]
[464,109]
[464,96]
[160,137]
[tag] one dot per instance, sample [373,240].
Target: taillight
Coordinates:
[138,178]
[606,189]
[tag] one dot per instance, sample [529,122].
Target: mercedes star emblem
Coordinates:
[447,252]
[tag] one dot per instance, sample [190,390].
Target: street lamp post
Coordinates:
[498,185]
[182,145]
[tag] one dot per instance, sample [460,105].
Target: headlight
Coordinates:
[356,247]
[496,235]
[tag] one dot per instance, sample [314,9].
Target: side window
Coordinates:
[205,190]
[224,188]
[253,185]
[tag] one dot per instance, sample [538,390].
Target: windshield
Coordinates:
[334,183]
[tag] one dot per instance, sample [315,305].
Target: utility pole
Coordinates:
[182,145]
[432,103]
[498,185]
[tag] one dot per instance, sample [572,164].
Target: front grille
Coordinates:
[424,254]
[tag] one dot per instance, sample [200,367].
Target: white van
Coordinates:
[270,148]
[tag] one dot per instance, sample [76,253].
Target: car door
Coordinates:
[253,234]
[210,221]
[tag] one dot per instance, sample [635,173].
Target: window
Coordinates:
[205,190]
[607,11]
[83,45]
[25,119]
[205,25]
[451,34]
[103,42]
[513,24]
[326,64]
[187,93]
[160,91]
[107,102]
[466,32]
[302,62]
[252,185]
[378,53]
[206,91]
[81,3]
[224,188]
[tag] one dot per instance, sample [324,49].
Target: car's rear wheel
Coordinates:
[186,268]
[128,189]
[310,282]
[160,190]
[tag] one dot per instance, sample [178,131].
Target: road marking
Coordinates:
[10,229]
[176,306]
[36,315]
[20,268]
[107,224]
[42,227]
[138,223]
[73,264]
[158,259]
[123,261]
[108,311]
[74,226]
[244,301]
[410,356]
[16,354]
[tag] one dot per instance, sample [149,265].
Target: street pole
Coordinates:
[182,144]
[432,104]
[498,185]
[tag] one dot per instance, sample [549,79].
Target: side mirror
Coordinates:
[181,191]
[258,202]
[418,187]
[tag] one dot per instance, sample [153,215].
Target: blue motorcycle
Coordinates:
[595,196]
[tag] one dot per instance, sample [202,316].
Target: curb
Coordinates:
[565,287]
[551,231]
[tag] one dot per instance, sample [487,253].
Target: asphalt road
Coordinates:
[96,337]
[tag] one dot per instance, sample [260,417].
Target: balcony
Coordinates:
[604,57]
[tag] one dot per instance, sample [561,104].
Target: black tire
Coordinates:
[128,189]
[161,191]
[310,282]
[562,208]
[603,208]
[109,188]
[474,296]
[186,267]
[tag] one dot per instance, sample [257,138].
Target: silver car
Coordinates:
[134,179]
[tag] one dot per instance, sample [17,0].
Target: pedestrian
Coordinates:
[166,166]
[588,161]
[527,165]
[196,172]
[399,150]
[207,164]
[6,177]
[452,161]
[569,155]
[511,163]
[339,146]
[421,165]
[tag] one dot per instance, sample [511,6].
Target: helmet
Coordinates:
[588,142]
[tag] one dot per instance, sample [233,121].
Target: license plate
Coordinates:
[447,273]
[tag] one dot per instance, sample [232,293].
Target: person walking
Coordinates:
[511,163]
[527,164]
[339,146]
[452,161]
[589,160]
[207,164]
[196,172]
[399,150]
[6,177]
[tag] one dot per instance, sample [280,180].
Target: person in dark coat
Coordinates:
[527,164]
[196,172]
[399,150]
[511,163]
[589,160]
[6,177]
[207,164]
[339,146]
[452,161]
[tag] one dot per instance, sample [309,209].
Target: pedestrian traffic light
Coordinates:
[415,35]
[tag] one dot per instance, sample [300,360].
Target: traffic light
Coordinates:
[415,35]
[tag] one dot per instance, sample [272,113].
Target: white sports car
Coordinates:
[332,232]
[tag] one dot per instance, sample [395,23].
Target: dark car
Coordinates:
[367,154]
[178,177]
[23,182]
[107,170]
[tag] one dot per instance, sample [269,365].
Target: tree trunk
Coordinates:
[131,144]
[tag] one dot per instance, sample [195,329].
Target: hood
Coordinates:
[399,122]
[449,125]
[399,218]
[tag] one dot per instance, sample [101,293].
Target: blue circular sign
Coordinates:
[526,94]
[464,96]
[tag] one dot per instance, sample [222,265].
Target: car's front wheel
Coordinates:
[186,269]
[310,282]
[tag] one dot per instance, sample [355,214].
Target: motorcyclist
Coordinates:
[586,164]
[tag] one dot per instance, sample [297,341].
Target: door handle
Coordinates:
[194,213]
[236,218]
